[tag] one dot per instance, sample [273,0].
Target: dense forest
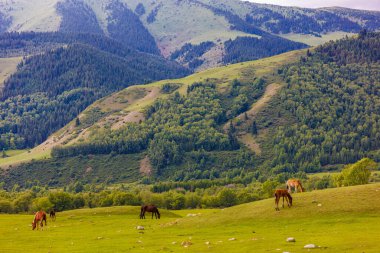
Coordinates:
[250,48]
[333,96]
[4,22]
[50,89]
[308,22]
[176,125]
[77,17]
[125,26]
[190,53]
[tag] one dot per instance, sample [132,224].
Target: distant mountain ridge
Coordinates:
[165,26]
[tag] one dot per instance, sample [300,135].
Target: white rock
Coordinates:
[140,228]
[291,239]
[232,239]
[319,204]
[310,246]
[207,243]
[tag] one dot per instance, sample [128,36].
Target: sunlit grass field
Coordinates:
[338,220]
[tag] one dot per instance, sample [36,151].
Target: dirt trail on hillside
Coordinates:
[146,167]
[135,115]
[247,138]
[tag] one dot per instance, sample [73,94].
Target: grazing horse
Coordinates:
[149,208]
[39,219]
[285,195]
[52,214]
[294,184]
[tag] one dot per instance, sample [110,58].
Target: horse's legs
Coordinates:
[276,203]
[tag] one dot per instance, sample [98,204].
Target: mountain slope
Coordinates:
[48,90]
[326,114]
[167,26]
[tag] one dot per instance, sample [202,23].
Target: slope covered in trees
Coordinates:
[332,95]
[176,125]
[77,17]
[250,48]
[125,26]
[50,89]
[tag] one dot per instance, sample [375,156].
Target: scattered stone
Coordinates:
[207,243]
[310,246]
[285,252]
[99,238]
[291,239]
[140,228]
[139,241]
[319,204]
[232,239]
[174,243]
[191,215]
[186,244]
[254,239]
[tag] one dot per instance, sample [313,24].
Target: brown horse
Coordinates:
[52,214]
[39,219]
[149,208]
[285,195]
[294,184]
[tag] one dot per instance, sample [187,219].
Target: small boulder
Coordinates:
[186,244]
[140,228]
[291,239]
[319,205]
[232,239]
[310,246]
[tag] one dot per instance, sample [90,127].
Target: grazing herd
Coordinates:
[291,184]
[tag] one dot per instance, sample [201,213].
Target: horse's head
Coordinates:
[290,200]
[34,224]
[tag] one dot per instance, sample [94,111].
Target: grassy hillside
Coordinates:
[7,67]
[337,220]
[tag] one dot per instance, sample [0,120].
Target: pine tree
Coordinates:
[254,128]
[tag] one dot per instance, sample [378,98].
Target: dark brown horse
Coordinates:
[149,208]
[285,195]
[52,214]
[39,219]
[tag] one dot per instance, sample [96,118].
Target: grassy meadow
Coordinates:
[338,220]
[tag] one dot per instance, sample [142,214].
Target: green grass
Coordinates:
[346,221]
[316,41]
[25,156]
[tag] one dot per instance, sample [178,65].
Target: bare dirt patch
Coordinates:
[146,167]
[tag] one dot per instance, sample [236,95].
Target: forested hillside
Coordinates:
[176,125]
[332,97]
[50,89]
[77,17]
[326,114]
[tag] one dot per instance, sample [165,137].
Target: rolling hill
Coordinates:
[271,116]
[337,220]
[65,75]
